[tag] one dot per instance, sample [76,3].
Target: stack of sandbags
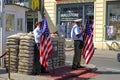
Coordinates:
[57,58]
[26,54]
[12,45]
[61,52]
[22,53]
[53,59]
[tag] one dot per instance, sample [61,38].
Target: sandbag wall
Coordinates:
[26,54]
[23,46]
[57,58]
[12,46]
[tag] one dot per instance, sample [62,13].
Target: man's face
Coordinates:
[40,23]
[79,23]
[72,24]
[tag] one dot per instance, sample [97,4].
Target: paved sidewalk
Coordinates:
[98,52]
[106,53]
[64,71]
[16,76]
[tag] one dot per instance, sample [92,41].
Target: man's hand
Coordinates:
[79,35]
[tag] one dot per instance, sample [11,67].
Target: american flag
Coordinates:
[88,49]
[46,46]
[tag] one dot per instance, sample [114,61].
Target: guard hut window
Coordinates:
[113,20]
[19,24]
[10,22]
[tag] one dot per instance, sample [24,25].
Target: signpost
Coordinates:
[1,26]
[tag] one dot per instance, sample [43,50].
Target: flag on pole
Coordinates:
[46,46]
[88,49]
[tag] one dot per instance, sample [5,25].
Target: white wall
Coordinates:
[19,12]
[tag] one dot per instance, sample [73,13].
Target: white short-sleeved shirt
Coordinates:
[36,33]
[75,31]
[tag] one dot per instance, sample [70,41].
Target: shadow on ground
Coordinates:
[108,72]
[66,73]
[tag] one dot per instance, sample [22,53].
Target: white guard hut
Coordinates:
[13,21]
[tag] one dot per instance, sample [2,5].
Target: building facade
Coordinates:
[105,14]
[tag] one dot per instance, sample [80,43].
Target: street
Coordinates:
[106,63]
[109,68]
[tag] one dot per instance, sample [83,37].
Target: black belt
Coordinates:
[78,40]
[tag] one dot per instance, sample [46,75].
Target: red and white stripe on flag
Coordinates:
[45,50]
[88,49]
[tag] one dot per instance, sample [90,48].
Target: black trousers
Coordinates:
[37,67]
[77,53]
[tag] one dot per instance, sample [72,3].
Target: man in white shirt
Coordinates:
[76,35]
[36,32]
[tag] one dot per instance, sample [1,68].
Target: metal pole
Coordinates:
[9,65]
[9,77]
[42,7]
[1,29]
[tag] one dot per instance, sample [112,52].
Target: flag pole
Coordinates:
[43,14]
[42,7]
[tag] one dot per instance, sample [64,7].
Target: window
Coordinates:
[10,22]
[69,12]
[19,24]
[113,21]
[8,1]
[67,15]
[89,12]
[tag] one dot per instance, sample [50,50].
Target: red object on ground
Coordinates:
[66,73]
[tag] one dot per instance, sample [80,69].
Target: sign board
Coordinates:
[1,11]
[35,4]
[69,16]
[111,32]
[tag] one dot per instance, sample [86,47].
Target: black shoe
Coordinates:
[35,73]
[74,68]
[38,73]
[45,71]
[80,67]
